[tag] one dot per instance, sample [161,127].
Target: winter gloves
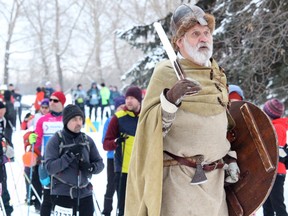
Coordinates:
[76,150]
[32,138]
[181,88]
[232,172]
[86,167]
[121,139]
[231,167]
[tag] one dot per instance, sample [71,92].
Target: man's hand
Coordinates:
[181,88]
[86,167]
[76,149]
[121,139]
[32,138]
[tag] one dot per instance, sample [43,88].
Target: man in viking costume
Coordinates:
[177,164]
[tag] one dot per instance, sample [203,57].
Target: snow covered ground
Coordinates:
[16,183]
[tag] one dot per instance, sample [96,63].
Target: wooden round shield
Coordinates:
[257,151]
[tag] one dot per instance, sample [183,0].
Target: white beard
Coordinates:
[199,56]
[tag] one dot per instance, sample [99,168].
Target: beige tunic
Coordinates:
[145,180]
[191,135]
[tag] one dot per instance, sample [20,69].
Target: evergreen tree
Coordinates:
[146,39]
[250,42]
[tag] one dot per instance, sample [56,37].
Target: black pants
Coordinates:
[91,107]
[5,193]
[110,187]
[47,203]
[36,184]
[275,201]
[86,207]
[121,193]
[102,111]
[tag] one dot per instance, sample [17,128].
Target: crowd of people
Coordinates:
[97,96]
[167,151]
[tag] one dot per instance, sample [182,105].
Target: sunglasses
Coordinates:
[54,100]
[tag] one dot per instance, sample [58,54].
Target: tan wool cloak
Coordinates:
[144,184]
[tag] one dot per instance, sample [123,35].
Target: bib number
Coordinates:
[62,211]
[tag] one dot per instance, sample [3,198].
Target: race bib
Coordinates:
[62,211]
[94,96]
[49,128]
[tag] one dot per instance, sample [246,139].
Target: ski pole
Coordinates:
[2,206]
[29,190]
[15,187]
[97,204]
[78,185]
[32,187]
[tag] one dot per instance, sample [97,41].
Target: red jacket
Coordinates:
[38,99]
[281,127]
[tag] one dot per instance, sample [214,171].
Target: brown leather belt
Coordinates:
[191,162]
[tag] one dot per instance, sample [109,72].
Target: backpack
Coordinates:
[43,174]
[62,146]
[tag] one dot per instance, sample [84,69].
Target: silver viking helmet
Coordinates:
[185,17]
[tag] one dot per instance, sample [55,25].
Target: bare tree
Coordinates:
[11,19]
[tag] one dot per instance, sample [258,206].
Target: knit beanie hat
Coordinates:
[274,108]
[60,96]
[119,101]
[233,90]
[45,102]
[70,111]
[135,92]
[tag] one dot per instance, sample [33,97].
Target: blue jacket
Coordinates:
[110,154]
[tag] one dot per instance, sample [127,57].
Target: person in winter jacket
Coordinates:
[120,137]
[93,95]
[10,116]
[79,98]
[46,126]
[105,95]
[119,103]
[3,174]
[40,94]
[31,125]
[274,204]
[235,93]
[71,162]
[180,143]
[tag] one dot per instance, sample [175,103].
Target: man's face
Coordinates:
[197,44]
[75,124]
[2,112]
[132,104]
[55,105]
